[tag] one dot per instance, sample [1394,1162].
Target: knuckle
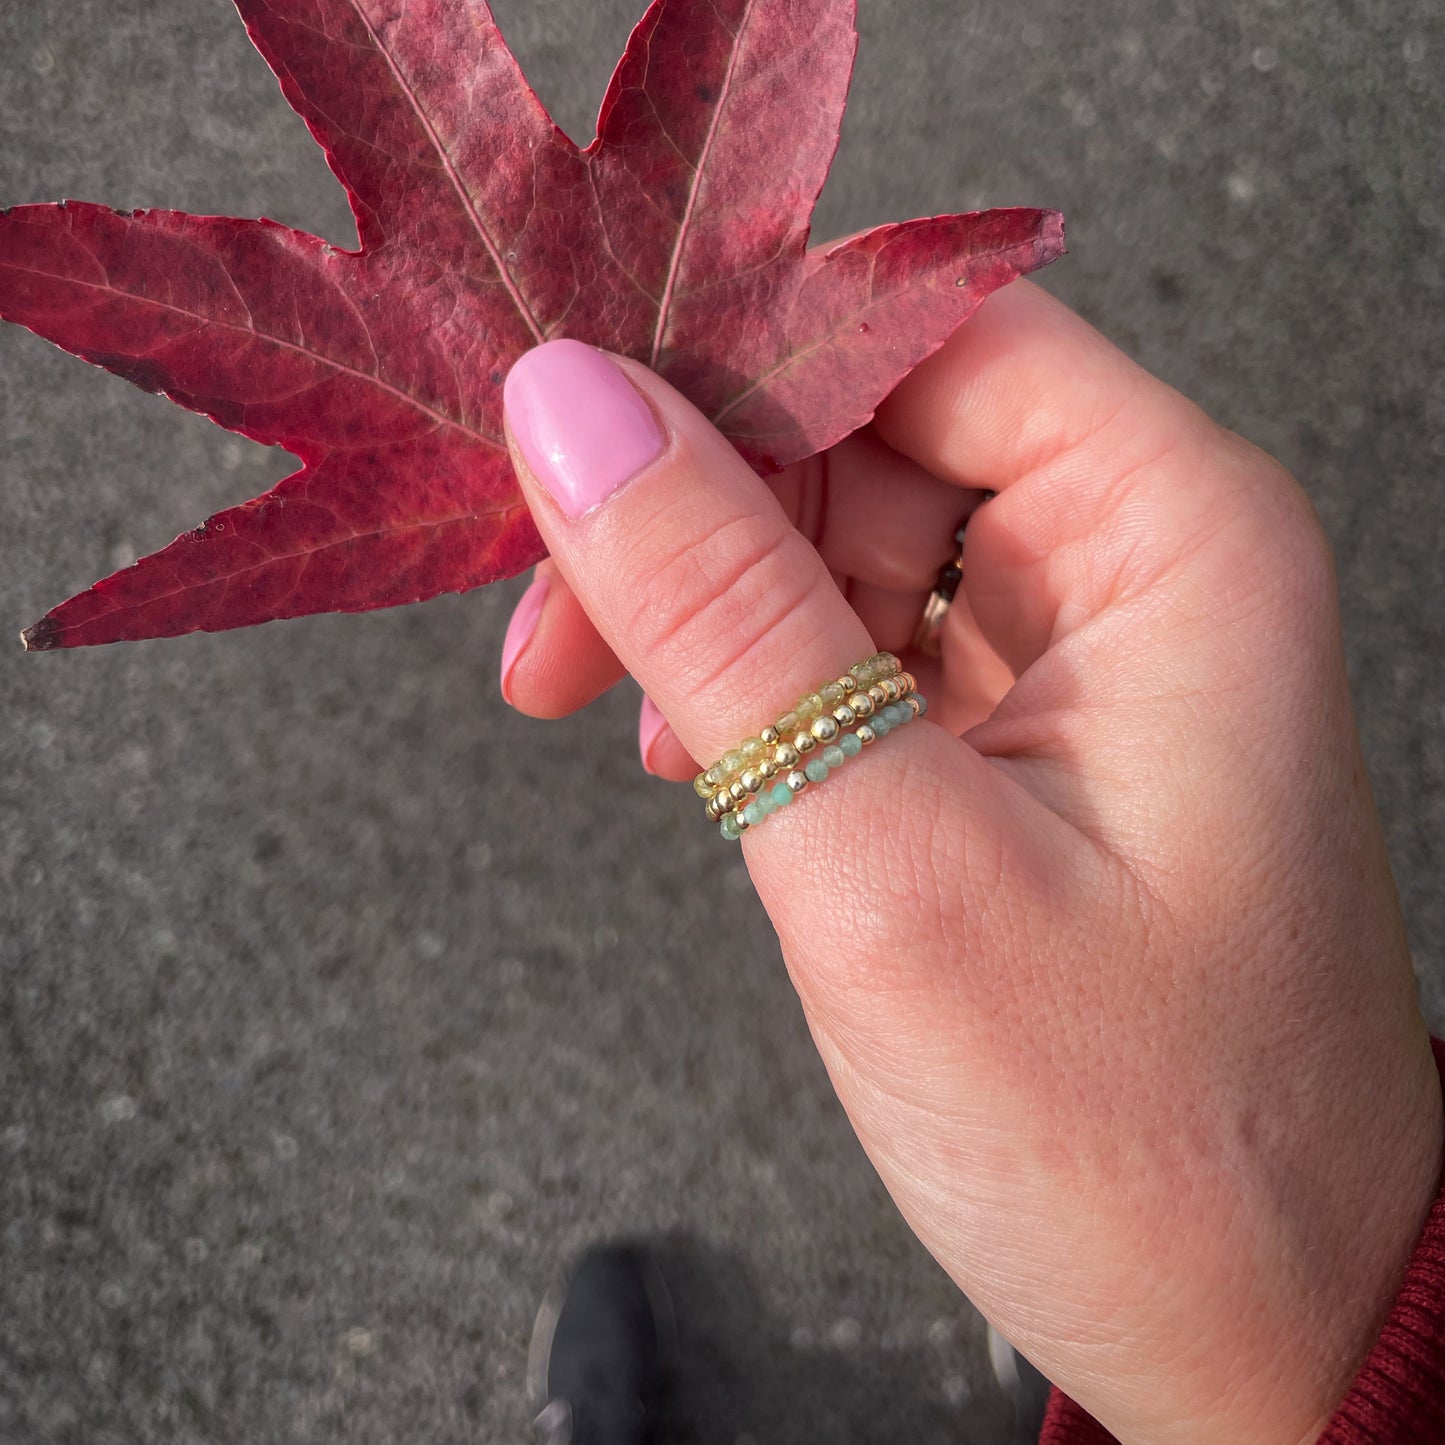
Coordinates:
[1296,562]
[715,601]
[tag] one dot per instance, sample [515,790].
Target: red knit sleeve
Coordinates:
[1398,1398]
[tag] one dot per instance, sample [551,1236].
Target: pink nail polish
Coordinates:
[580,423]
[520,629]
[650,724]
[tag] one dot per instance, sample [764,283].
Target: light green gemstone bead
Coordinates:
[835,757]
[782,795]
[753,749]
[731,764]
[788,724]
[817,770]
[850,745]
[731,828]
[832,695]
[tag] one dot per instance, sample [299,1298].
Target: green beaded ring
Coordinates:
[821,765]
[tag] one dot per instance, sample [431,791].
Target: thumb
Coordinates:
[688,567]
[680,555]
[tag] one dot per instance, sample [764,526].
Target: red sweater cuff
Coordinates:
[1398,1398]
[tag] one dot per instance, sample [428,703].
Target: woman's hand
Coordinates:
[1114,988]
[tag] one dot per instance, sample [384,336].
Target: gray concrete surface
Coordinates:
[337,1005]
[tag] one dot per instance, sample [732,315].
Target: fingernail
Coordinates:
[520,629]
[650,724]
[580,423]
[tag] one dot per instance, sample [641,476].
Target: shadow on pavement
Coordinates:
[744,1378]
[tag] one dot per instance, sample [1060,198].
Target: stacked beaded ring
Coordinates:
[817,769]
[817,719]
[786,755]
[751,783]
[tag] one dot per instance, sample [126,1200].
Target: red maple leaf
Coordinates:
[679,237]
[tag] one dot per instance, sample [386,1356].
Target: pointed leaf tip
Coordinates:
[41,637]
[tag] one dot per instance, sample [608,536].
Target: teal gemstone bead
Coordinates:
[782,795]
[922,703]
[835,757]
[731,828]
[894,712]
[753,815]
[880,725]
[816,769]
[850,746]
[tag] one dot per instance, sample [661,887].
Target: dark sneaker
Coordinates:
[602,1350]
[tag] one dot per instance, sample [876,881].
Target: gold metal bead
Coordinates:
[844,716]
[702,787]
[824,729]
[866,735]
[848,683]
[768,770]
[907,682]
[785,756]
[861,704]
[770,736]
[805,742]
[914,703]
[880,698]
[725,803]
[743,824]
[797,781]
[740,793]
[751,779]
[890,686]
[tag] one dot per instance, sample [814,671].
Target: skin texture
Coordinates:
[1104,958]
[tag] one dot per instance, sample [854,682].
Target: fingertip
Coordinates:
[650,724]
[553,661]
[663,754]
[521,629]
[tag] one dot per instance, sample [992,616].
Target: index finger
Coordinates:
[1106,476]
